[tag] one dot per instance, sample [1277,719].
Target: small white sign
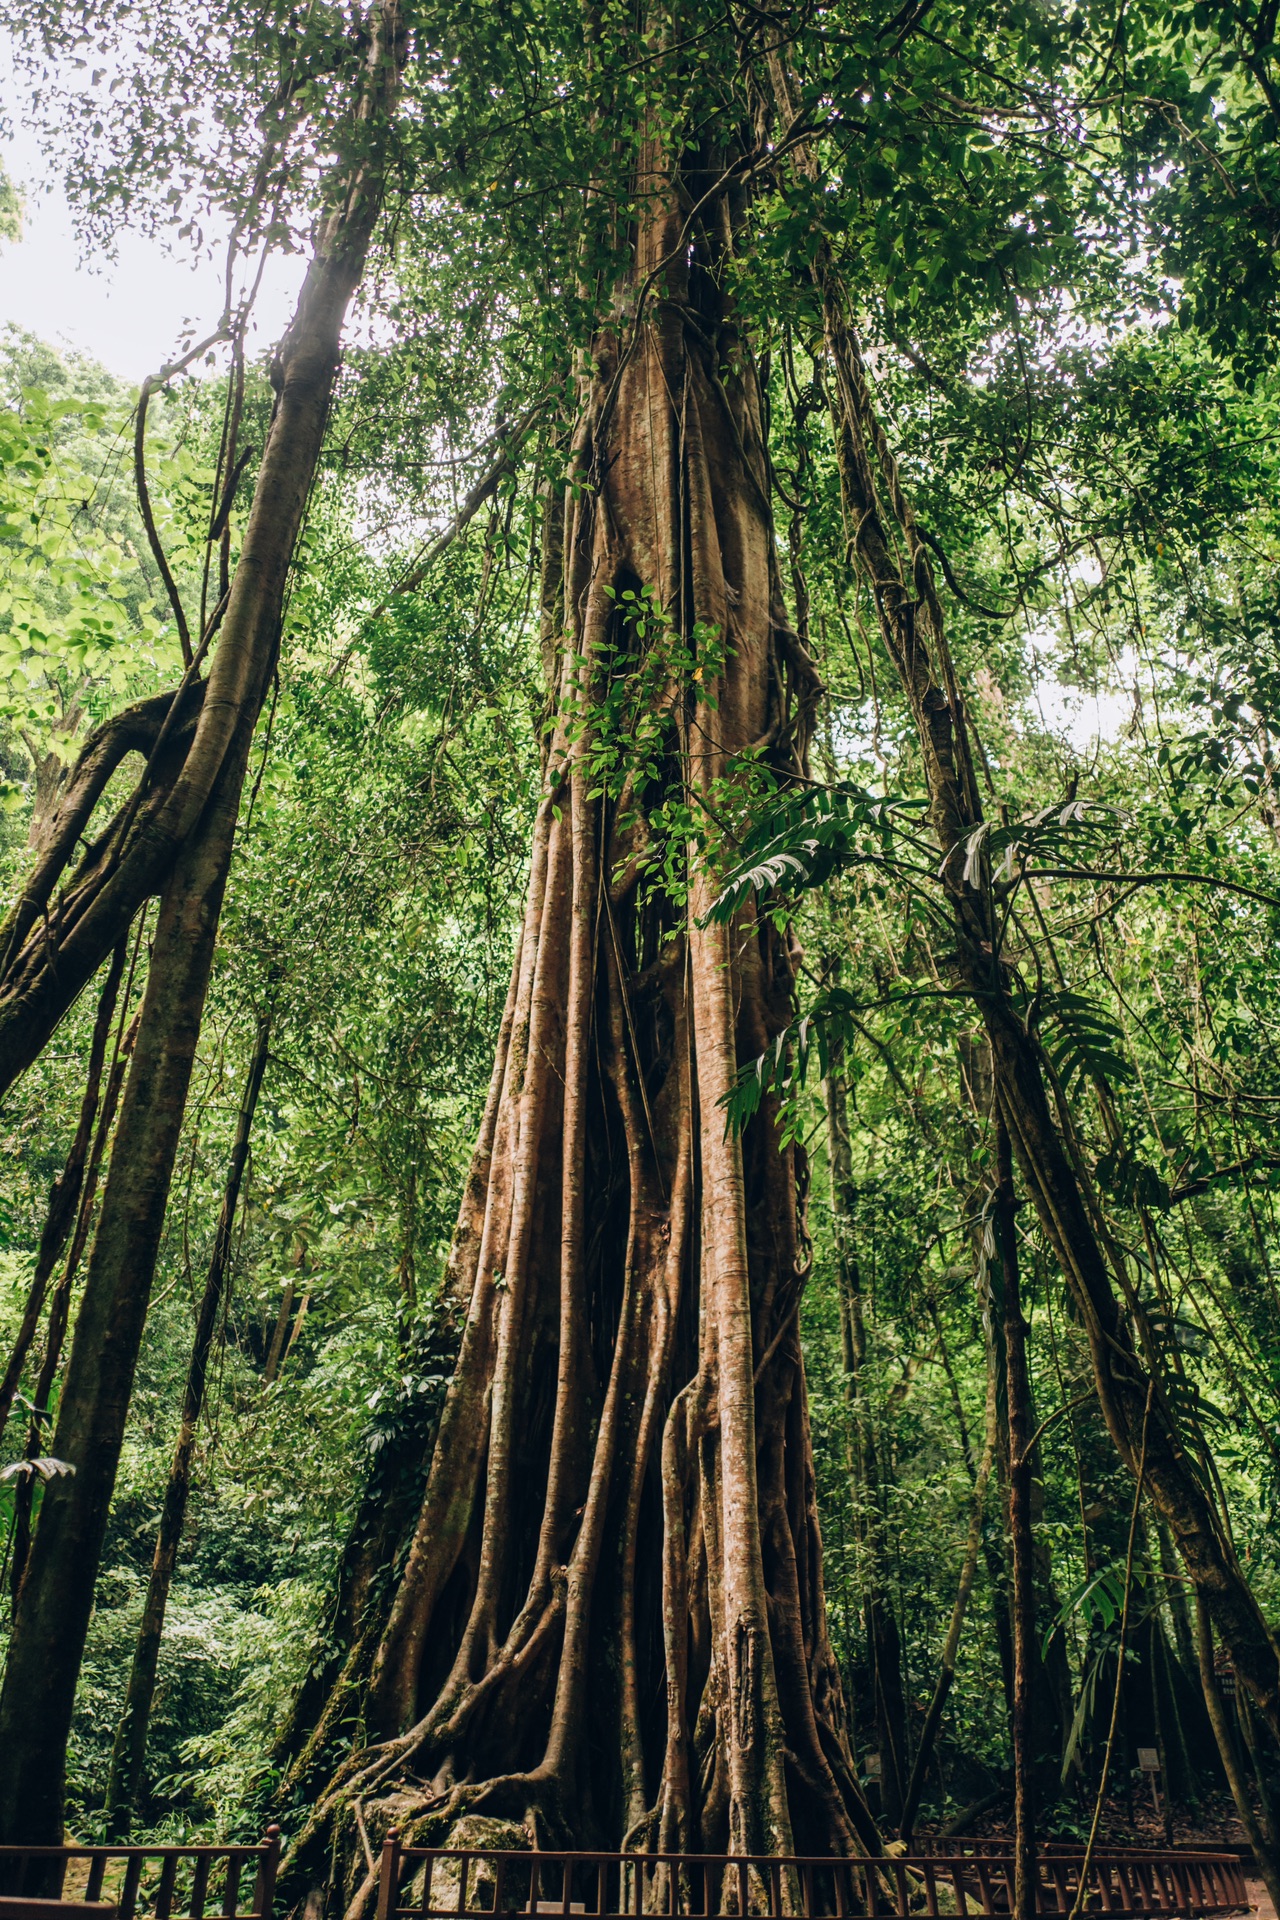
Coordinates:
[1148,1760]
[872,1764]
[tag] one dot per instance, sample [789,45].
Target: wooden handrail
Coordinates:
[477,1883]
[144,1882]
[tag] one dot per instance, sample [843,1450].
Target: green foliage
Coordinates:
[10,209]
[804,837]
[1058,229]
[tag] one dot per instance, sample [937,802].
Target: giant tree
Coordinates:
[172,836]
[611,1622]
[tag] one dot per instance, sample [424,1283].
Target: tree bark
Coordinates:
[128,1754]
[56,1598]
[64,1196]
[611,1624]
[1264,1854]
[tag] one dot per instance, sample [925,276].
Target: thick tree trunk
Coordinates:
[56,1597]
[128,1754]
[611,1624]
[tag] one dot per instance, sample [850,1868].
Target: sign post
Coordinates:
[1149,1763]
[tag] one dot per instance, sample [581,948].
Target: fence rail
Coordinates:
[435,1883]
[148,1883]
[951,1844]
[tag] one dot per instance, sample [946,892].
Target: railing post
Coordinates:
[168,1881]
[132,1881]
[264,1891]
[389,1876]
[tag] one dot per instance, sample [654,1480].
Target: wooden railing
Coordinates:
[951,1844]
[147,1883]
[430,1883]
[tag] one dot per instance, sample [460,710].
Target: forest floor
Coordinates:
[1131,1822]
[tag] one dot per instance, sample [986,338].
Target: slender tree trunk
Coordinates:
[64,1197]
[1155,1639]
[1175,1681]
[60,1312]
[1229,1753]
[54,1605]
[1025,1652]
[1266,1810]
[865,1478]
[56,1598]
[1041,1133]
[280,1332]
[128,1755]
[993,1545]
[1179,1609]
[951,1645]
[896,567]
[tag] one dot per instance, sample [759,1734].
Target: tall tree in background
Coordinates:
[175,835]
[893,559]
[128,1755]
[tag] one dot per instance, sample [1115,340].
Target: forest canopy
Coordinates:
[638,1006]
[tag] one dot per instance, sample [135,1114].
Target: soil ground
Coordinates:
[1132,1821]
